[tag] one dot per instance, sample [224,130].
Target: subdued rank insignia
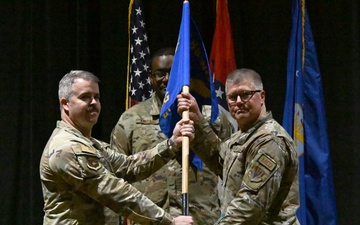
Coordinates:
[93,163]
[267,162]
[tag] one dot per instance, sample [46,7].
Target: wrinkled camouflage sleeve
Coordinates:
[142,164]
[82,168]
[206,145]
[221,126]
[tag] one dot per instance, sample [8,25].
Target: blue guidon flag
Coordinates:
[304,119]
[190,58]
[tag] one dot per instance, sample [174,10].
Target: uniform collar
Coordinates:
[72,130]
[156,105]
[243,136]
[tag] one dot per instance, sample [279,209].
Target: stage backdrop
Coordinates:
[40,41]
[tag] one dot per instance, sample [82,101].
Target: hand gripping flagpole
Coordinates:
[179,80]
[185,30]
[185,164]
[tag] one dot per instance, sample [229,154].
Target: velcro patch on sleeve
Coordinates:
[267,162]
[259,172]
[93,163]
[147,122]
[86,149]
[87,158]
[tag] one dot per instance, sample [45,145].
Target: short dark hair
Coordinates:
[160,52]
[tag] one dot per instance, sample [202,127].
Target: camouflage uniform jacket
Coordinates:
[85,182]
[138,129]
[259,170]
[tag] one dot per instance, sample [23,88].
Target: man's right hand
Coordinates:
[184,127]
[183,220]
[187,102]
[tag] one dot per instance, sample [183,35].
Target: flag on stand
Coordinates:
[190,68]
[222,56]
[304,119]
[138,83]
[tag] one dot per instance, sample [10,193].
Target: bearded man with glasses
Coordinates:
[258,164]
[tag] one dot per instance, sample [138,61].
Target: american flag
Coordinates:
[138,83]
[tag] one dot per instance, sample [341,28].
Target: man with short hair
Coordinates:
[258,164]
[84,181]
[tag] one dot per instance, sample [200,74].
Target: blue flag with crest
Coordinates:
[190,68]
[304,119]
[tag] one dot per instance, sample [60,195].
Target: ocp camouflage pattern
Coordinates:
[259,170]
[137,130]
[85,182]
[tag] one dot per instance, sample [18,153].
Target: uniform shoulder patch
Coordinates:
[267,162]
[259,172]
[93,163]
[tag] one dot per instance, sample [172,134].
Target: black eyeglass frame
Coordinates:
[245,96]
[160,74]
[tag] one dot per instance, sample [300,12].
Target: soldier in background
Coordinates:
[138,129]
[258,163]
[83,180]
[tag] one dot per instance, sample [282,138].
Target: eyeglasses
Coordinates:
[244,96]
[161,74]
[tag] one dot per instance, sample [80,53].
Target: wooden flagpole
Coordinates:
[185,164]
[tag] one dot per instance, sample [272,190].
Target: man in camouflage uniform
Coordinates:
[258,163]
[83,180]
[138,129]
